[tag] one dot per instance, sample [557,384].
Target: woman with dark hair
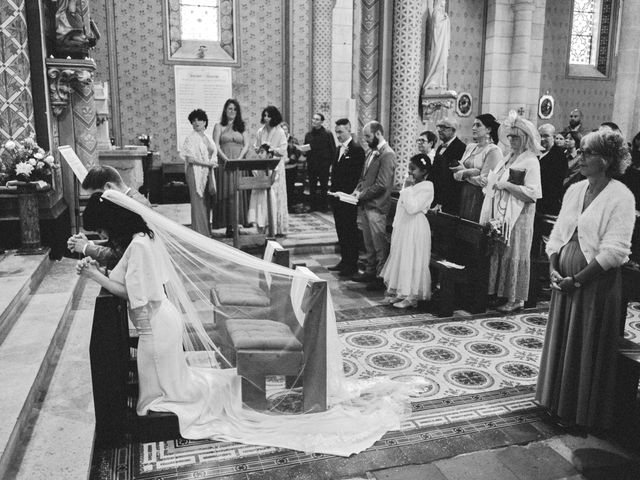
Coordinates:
[199,154]
[588,244]
[478,160]
[510,206]
[571,145]
[631,177]
[271,134]
[232,138]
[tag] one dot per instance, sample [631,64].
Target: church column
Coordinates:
[369,61]
[16,103]
[626,112]
[406,73]
[321,57]
[71,98]
[513,57]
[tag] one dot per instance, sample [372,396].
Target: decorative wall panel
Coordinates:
[16,102]
[593,97]
[369,62]
[300,67]
[406,81]
[322,43]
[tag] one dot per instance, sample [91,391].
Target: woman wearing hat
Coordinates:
[478,159]
[510,206]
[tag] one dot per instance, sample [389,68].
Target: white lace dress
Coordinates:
[406,272]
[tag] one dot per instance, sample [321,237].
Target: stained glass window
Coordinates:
[584,32]
[199,20]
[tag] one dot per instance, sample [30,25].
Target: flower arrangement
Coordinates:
[25,162]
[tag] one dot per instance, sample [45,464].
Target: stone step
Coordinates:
[28,358]
[20,275]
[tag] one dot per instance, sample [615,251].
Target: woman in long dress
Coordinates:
[162,293]
[199,154]
[271,134]
[406,271]
[233,141]
[512,204]
[478,159]
[589,242]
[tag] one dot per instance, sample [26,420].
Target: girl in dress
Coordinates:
[406,271]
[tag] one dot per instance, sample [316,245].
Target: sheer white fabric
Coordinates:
[208,401]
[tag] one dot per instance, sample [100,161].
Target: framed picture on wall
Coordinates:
[201,33]
[545,106]
[464,103]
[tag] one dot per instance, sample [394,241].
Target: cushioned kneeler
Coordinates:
[263,347]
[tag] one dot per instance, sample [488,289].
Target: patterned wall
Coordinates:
[593,97]
[16,103]
[406,82]
[300,66]
[147,101]
[465,55]
[322,46]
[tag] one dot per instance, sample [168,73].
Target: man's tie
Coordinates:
[368,162]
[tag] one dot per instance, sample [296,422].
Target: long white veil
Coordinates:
[197,271]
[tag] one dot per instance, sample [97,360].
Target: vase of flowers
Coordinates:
[27,169]
[25,162]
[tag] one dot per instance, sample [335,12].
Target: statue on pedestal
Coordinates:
[436,99]
[71,26]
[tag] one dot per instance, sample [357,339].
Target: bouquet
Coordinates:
[25,162]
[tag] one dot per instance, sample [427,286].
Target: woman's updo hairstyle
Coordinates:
[489,121]
[612,147]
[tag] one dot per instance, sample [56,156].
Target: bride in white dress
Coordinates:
[167,306]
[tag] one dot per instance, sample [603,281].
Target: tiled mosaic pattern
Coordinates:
[16,103]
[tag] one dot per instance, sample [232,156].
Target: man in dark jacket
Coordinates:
[553,170]
[448,154]
[319,158]
[345,174]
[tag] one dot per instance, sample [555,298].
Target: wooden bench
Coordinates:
[455,240]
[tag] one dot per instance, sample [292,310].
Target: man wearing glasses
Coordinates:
[446,189]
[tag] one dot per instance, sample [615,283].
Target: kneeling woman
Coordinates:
[589,242]
[207,401]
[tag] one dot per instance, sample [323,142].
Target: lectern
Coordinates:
[240,182]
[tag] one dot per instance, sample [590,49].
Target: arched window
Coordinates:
[590,48]
[201,32]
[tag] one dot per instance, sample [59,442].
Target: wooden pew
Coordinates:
[114,376]
[466,244]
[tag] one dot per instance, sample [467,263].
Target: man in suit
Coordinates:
[345,174]
[553,170]
[448,154]
[575,122]
[374,199]
[319,159]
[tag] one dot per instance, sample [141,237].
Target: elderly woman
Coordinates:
[478,159]
[510,206]
[199,154]
[588,244]
[232,138]
[271,134]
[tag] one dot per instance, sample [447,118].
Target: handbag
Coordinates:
[516,176]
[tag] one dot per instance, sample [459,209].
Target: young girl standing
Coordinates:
[406,272]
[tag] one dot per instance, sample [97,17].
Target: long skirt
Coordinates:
[578,367]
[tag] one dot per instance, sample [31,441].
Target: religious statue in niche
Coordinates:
[73,32]
[436,99]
